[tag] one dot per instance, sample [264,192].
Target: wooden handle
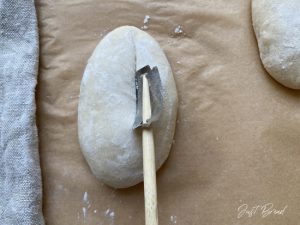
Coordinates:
[150,193]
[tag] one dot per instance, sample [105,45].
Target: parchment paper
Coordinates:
[237,137]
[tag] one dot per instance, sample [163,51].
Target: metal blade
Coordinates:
[156,98]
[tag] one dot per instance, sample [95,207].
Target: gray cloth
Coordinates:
[20,176]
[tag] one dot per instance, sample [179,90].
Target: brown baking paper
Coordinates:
[237,137]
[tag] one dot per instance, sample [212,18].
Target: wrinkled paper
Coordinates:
[237,136]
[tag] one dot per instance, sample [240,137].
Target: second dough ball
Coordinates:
[277,28]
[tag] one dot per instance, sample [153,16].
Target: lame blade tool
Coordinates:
[148,109]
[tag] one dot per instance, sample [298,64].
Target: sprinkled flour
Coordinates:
[173,219]
[146,22]
[178,30]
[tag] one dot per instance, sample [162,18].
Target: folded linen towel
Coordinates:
[20,176]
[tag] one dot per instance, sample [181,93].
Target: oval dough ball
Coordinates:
[107,107]
[277,28]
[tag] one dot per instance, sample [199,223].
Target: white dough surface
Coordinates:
[107,107]
[277,28]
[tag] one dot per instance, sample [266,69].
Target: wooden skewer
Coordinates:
[150,193]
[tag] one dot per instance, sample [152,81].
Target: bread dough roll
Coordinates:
[107,107]
[277,27]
